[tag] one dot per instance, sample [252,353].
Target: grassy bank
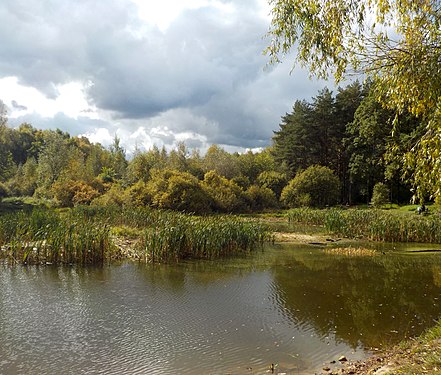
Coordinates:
[372,224]
[90,235]
[421,355]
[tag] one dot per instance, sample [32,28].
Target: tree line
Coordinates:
[331,150]
[394,43]
[356,137]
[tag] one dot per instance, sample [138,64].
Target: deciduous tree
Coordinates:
[397,43]
[316,186]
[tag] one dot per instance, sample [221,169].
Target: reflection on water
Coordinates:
[293,306]
[365,302]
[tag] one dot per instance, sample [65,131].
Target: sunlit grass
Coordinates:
[421,355]
[210,237]
[373,224]
[86,235]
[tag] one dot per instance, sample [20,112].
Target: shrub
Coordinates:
[171,189]
[63,193]
[225,194]
[380,195]
[24,182]
[139,194]
[273,180]
[84,194]
[115,196]
[242,181]
[316,186]
[68,193]
[261,198]
[107,175]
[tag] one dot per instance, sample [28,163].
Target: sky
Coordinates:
[149,72]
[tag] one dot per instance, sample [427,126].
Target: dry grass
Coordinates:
[351,251]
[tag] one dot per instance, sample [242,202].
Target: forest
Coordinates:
[331,149]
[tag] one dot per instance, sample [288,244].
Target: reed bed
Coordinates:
[201,237]
[304,215]
[44,236]
[372,224]
[351,251]
[85,235]
[171,236]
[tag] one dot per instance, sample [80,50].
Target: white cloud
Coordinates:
[151,72]
[22,100]
[100,135]
[163,13]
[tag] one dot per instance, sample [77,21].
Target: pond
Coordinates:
[290,305]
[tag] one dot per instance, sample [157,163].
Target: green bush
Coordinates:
[181,191]
[273,180]
[225,194]
[3,191]
[242,181]
[63,193]
[115,196]
[261,198]
[317,186]
[140,194]
[380,195]
[24,182]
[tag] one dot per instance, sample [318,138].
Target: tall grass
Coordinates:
[44,236]
[170,236]
[83,235]
[183,236]
[372,224]
[304,215]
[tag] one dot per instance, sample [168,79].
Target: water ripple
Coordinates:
[146,320]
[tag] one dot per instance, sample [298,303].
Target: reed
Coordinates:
[44,236]
[85,235]
[170,236]
[183,236]
[305,215]
[372,224]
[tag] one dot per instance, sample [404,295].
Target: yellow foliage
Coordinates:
[395,43]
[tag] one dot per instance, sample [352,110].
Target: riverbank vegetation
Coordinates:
[373,224]
[88,235]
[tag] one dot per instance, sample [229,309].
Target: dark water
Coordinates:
[295,307]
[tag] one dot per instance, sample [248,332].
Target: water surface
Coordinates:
[292,306]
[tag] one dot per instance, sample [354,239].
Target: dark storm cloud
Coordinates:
[205,65]
[198,57]
[251,113]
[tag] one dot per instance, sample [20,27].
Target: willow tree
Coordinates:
[397,43]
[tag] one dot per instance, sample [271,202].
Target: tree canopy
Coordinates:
[346,133]
[397,43]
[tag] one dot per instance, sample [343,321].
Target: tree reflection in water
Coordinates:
[364,301]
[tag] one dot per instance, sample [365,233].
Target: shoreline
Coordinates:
[420,355]
[415,356]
